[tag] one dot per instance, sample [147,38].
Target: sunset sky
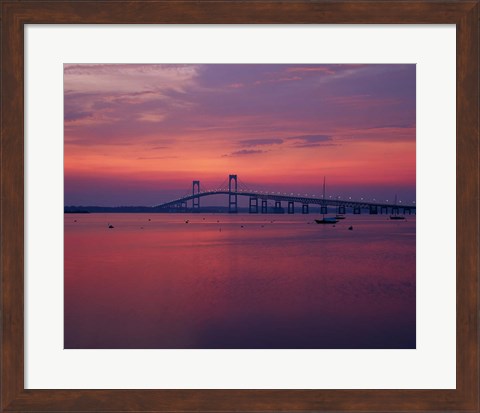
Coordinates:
[139,134]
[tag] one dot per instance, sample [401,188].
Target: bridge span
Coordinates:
[259,201]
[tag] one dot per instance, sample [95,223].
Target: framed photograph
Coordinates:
[240,206]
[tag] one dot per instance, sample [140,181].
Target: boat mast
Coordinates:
[323,197]
[394,208]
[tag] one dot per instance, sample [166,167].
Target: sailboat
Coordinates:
[396,216]
[326,220]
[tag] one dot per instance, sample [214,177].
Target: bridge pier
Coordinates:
[341,209]
[323,209]
[253,206]
[357,210]
[291,207]
[405,209]
[278,207]
[305,209]
[383,208]
[395,210]
[264,206]
[232,195]
[196,199]
[373,210]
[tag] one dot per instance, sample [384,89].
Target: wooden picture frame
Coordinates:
[16,14]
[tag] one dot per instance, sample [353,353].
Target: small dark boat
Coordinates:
[110,226]
[326,220]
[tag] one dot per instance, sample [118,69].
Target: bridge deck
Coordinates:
[287,198]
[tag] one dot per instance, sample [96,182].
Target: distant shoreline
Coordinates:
[146,209]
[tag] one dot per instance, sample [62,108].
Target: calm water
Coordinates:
[280,281]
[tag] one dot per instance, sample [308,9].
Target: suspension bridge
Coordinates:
[263,201]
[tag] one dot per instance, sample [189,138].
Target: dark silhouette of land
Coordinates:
[145,209]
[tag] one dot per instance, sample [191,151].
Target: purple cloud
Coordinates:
[314,145]
[310,141]
[311,138]
[72,115]
[260,142]
[244,152]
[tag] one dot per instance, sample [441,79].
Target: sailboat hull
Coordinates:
[326,221]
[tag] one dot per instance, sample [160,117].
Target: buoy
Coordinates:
[350,228]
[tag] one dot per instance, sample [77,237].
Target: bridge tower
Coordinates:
[232,194]
[196,199]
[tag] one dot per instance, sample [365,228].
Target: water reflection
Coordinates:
[238,281]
